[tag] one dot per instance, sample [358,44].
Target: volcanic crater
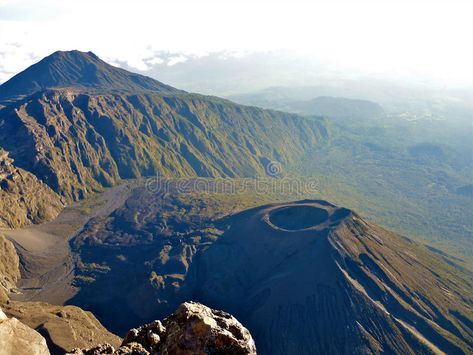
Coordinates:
[297,217]
[304,215]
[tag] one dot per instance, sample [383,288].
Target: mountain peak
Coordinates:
[80,70]
[72,54]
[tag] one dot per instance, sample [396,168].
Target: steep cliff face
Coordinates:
[77,143]
[9,268]
[79,134]
[23,198]
[15,337]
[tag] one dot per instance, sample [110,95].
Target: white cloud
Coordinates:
[155,61]
[176,59]
[114,63]
[137,63]
[8,2]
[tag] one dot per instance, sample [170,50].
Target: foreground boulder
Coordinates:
[19,339]
[193,329]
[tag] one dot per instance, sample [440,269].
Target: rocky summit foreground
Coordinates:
[193,329]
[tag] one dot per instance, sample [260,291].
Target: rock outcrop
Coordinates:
[18,339]
[9,268]
[23,198]
[193,329]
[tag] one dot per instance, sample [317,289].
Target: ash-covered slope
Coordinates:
[84,137]
[340,285]
[304,277]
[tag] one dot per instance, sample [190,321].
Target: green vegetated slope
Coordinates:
[91,125]
[339,107]
[78,143]
[327,106]
[400,182]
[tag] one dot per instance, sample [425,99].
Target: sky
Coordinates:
[418,38]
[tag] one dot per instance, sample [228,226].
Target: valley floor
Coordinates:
[45,256]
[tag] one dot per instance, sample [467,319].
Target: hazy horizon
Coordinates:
[412,41]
